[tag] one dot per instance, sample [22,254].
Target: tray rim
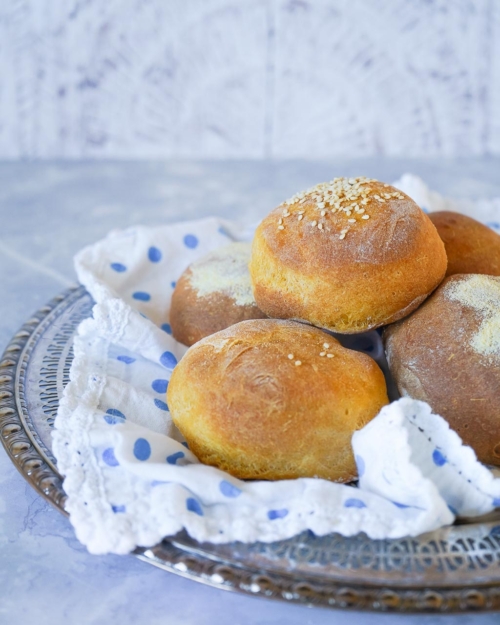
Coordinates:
[184,556]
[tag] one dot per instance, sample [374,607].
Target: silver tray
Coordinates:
[454,569]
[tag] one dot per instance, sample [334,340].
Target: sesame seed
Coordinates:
[280,221]
[301,212]
[281,227]
[301,217]
[320,226]
[322,353]
[351,221]
[298,363]
[365,217]
[361,211]
[339,194]
[329,355]
[342,236]
[314,223]
[290,356]
[326,345]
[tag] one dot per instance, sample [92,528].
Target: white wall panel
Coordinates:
[249,78]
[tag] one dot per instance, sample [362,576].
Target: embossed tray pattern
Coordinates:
[453,569]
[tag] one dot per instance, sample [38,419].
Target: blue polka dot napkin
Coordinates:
[129,476]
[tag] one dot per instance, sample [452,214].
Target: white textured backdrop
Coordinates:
[249,78]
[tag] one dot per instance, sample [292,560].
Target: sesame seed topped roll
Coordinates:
[348,255]
[272,399]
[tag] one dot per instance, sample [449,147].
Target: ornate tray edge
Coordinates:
[177,558]
[319,592]
[20,444]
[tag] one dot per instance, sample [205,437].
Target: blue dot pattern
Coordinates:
[496,503]
[154,254]
[190,241]
[229,490]
[142,449]
[108,456]
[113,416]
[495,531]
[272,515]
[194,506]
[354,503]
[360,463]
[172,459]
[128,360]
[118,267]
[142,296]
[160,386]
[452,510]
[400,505]
[185,445]
[118,509]
[172,284]
[166,327]
[425,209]
[162,405]
[438,458]
[168,360]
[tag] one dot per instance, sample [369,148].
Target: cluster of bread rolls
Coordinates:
[266,393]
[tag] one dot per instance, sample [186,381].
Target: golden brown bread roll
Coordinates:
[212,294]
[447,353]
[471,247]
[271,399]
[348,255]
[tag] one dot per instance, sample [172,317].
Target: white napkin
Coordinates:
[131,481]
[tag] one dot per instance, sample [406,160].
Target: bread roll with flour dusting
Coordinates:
[447,353]
[212,294]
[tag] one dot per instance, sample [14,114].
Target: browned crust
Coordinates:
[193,317]
[383,269]
[471,247]
[431,360]
[245,407]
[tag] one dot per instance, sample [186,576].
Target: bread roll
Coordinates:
[470,246]
[271,399]
[447,353]
[212,294]
[348,255]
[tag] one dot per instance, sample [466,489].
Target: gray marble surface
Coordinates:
[48,212]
